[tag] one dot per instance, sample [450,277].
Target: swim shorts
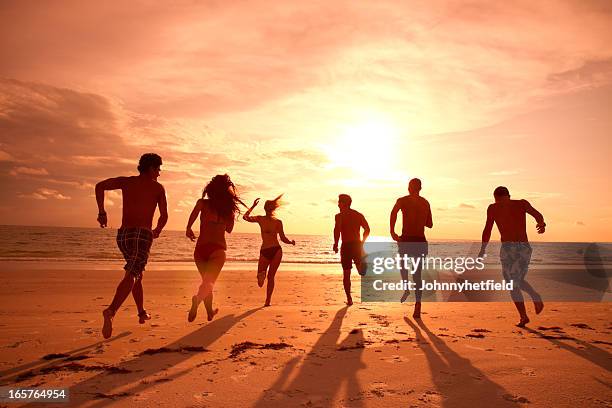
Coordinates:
[135,244]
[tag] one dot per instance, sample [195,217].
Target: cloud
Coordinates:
[313,157]
[591,73]
[580,223]
[259,102]
[464,205]
[4,156]
[28,171]
[44,194]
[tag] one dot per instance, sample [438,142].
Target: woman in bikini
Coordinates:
[271,253]
[217,208]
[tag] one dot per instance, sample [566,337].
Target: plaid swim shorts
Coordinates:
[135,243]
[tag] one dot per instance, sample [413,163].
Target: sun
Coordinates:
[366,147]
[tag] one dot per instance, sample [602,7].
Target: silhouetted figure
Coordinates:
[515,251]
[271,253]
[416,215]
[217,208]
[348,226]
[142,194]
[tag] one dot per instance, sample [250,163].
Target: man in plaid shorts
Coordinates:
[515,251]
[142,194]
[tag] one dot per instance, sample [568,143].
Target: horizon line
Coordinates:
[314,235]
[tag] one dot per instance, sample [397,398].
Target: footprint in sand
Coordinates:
[394,359]
[202,395]
[528,371]
[431,398]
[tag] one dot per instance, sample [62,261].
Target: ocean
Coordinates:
[26,243]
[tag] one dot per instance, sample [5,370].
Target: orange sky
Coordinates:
[312,100]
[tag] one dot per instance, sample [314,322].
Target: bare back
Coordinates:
[350,223]
[270,228]
[212,226]
[141,196]
[416,215]
[510,217]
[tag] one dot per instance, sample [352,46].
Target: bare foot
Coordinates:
[405,296]
[143,317]
[539,306]
[107,328]
[362,269]
[349,301]
[267,304]
[417,311]
[212,315]
[523,322]
[193,312]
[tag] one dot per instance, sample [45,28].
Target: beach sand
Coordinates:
[307,350]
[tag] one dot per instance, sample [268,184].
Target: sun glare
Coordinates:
[365,147]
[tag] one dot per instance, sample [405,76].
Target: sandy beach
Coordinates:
[308,349]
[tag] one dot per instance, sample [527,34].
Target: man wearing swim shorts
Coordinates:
[348,226]
[515,251]
[416,215]
[142,194]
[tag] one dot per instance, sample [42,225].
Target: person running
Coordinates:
[515,251]
[217,209]
[142,194]
[271,253]
[348,226]
[416,215]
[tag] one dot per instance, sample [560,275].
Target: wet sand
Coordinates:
[308,349]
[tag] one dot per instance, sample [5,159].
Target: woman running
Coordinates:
[217,213]
[271,253]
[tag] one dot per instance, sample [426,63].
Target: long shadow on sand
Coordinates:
[588,351]
[324,371]
[135,370]
[12,374]
[458,382]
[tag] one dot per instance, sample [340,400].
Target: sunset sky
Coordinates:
[312,99]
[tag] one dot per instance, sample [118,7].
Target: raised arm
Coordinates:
[336,233]
[541,225]
[393,220]
[366,228]
[247,215]
[108,184]
[281,234]
[486,232]
[192,217]
[163,213]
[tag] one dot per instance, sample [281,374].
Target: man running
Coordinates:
[515,251]
[348,226]
[142,194]
[416,215]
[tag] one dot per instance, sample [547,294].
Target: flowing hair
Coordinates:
[222,196]
[271,205]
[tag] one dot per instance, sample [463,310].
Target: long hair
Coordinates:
[221,193]
[271,205]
